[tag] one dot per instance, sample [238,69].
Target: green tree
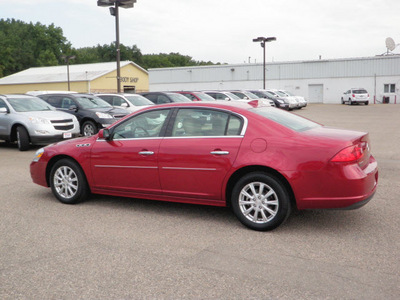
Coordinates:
[24,45]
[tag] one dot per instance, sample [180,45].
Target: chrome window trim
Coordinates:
[205,137]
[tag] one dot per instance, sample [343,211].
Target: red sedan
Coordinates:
[261,161]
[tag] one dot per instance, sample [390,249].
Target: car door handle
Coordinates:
[146,152]
[219,152]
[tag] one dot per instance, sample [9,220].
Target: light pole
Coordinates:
[264,40]
[114,12]
[66,59]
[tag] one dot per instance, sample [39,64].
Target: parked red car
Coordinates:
[262,161]
[196,96]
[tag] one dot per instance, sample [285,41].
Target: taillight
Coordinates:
[353,95]
[351,153]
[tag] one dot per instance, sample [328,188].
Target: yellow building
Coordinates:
[85,78]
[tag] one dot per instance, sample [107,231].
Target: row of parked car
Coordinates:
[41,118]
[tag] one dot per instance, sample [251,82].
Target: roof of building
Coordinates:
[83,72]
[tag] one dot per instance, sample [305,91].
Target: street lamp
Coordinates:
[264,40]
[66,58]
[114,12]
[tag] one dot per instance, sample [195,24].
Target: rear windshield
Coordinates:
[284,118]
[360,92]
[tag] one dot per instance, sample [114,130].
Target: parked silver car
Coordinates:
[302,101]
[131,102]
[29,120]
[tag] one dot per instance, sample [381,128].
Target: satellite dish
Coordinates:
[390,44]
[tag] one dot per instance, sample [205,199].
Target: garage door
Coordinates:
[316,93]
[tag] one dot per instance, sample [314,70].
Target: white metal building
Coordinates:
[321,81]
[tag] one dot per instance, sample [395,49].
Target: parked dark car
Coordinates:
[92,112]
[279,102]
[164,97]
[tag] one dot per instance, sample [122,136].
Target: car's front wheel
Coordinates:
[89,128]
[68,182]
[22,138]
[260,201]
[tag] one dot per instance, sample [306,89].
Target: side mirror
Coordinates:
[3,110]
[124,105]
[227,99]
[104,134]
[73,107]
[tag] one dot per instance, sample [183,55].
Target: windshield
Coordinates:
[288,93]
[286,119]
[178,98]
[138,100]
[281,94]
[251,95]
[271,94]
[205,97]
[29,104]
[232,96]
[89,102]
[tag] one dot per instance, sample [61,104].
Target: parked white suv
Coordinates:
[354,96]
[29,120]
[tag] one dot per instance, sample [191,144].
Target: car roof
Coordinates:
[18,96]
[222,104]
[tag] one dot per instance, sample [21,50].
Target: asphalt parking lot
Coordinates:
[118,248]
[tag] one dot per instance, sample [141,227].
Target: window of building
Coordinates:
[389,88]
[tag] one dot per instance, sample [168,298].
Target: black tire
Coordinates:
[22,139]
[256,213]
[68,182]
[366,103]
[89,128]
[342,101]
[350,102]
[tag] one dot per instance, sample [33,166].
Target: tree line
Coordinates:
[26,45]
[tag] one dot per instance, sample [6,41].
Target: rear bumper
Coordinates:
[347,187]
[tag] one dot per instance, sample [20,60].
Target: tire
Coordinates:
[350,102]
[367,102]
[89,128]
[68,182]
[342,101]
[263,213]
[22,138]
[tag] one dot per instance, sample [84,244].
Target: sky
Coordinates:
[223,30]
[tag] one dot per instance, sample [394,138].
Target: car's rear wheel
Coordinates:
[350,102]
[89,128]
[366,102]
[22,138]
[260,201]
[68,182]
